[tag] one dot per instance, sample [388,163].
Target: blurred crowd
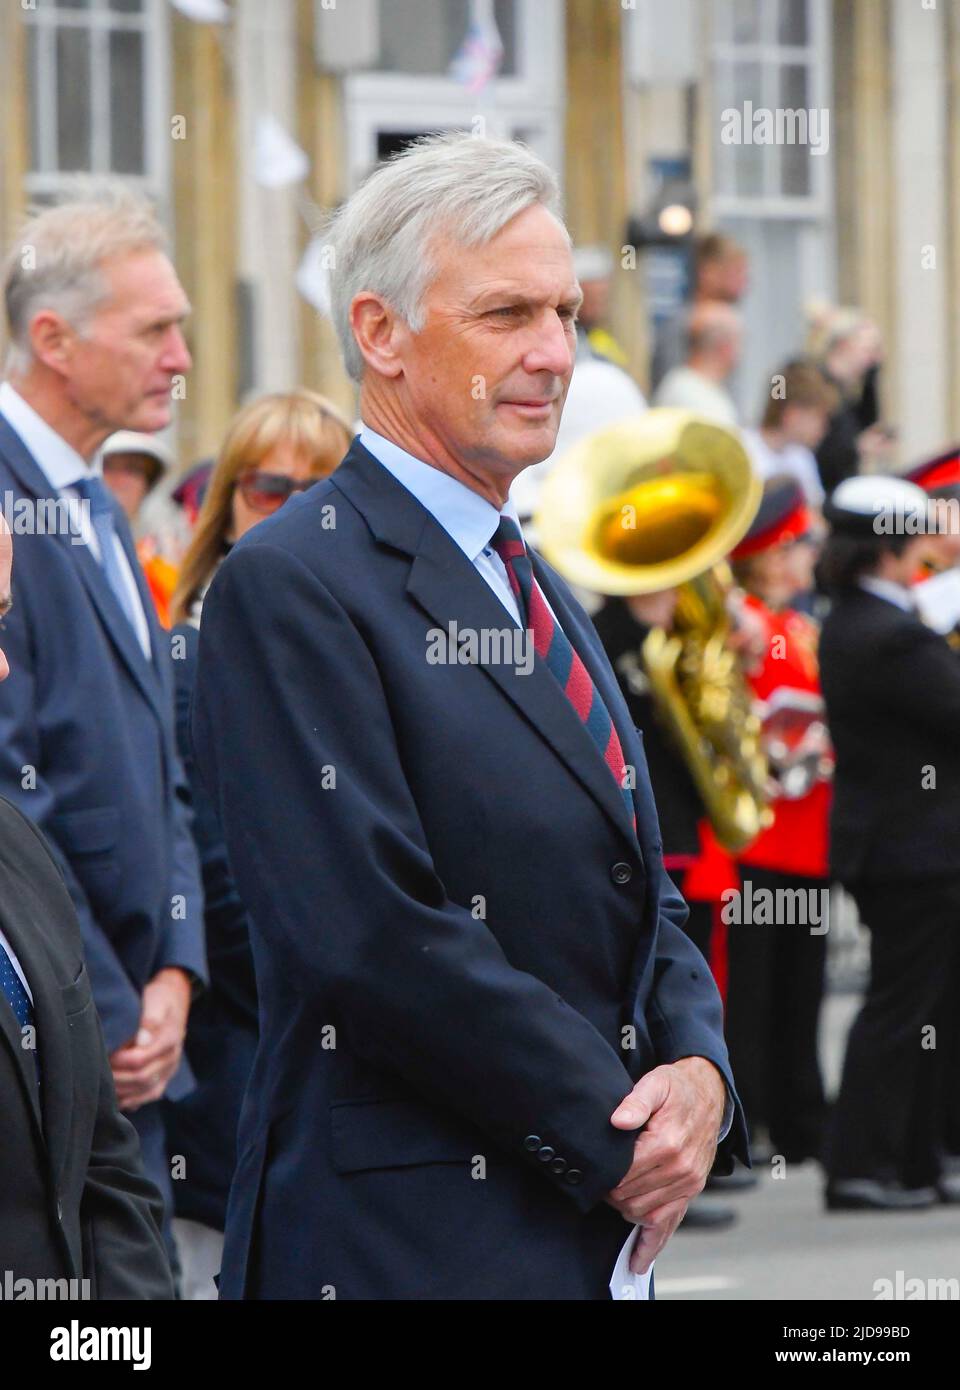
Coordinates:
[857,730]
[855,681]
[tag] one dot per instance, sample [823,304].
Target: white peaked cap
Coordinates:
[877,504]
[130,442]
[879,492]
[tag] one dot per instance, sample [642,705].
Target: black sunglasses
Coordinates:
[267,492]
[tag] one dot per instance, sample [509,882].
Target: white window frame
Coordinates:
[100,21]
[531,99]
[816,56]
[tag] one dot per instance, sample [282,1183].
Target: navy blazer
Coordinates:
[464,954]
[87,752]
[222,1029]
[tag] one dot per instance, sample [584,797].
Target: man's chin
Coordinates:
[532,444]
[152,417]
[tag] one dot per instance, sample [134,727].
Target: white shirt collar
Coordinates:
[886,589]
[468,518]
[57,460]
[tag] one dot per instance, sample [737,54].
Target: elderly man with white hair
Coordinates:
[486,1043]
[94,315]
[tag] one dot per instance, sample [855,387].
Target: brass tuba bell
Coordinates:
[657,503]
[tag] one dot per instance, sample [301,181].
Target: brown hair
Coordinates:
[748,573]
[803,384]
[307,421]
[716,246]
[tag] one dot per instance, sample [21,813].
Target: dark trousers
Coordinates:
[951,1074]
[148,1122]
[889,1118]
[774,992]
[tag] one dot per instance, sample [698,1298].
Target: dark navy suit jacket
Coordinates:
[74,1202]
[87,752]
[886,822]
[222,1031]
[465,955]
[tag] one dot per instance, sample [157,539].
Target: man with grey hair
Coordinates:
[93,315]
[713,353]
[485,1041]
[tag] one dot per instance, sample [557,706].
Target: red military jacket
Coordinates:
[789,678]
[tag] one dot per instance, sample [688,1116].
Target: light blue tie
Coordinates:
[96,492]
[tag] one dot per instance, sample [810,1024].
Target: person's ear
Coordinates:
[51,338]
[380,333]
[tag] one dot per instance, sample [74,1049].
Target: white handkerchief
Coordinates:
[624,1284]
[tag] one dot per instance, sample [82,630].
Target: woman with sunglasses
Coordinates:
[276,446]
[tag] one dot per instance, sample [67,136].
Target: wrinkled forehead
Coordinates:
[144,283]
[531,255]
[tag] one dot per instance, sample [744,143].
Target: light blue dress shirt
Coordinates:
[467,518]
[62,467]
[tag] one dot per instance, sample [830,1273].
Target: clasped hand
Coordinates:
[681,1108]
[143,1067]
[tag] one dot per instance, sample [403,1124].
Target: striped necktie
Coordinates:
[553,646]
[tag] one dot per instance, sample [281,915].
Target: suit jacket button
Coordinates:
[532,1143]
[59,1210]
[621,873]
[545,1154]
[559,1166]
[573,1176]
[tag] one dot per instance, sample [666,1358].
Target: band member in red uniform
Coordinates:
[777,926]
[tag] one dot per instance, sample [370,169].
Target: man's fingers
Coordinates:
[654,1233]
[647,1246]
[133,1059]
[144,1075]
[638,1207]
[142,1081]
[642,1185]
[648,1095]
[134,1101]
[130,1097]
[667,1167]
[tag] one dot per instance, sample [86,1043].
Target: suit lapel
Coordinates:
[448,588]
[115,622]
[52,1103]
